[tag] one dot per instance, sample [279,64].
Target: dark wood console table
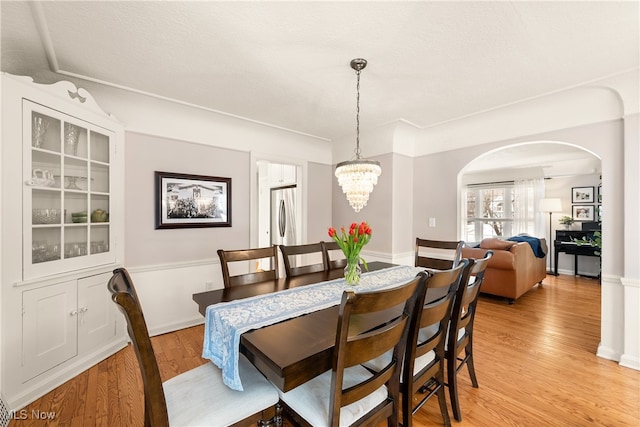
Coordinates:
[564,242]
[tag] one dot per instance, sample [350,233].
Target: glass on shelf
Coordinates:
[99,238]
[75,140]
[72,250]
[46,207]
[75,242]
[45,245]
[40,126]
[46,216]
[99,247]
[45,132]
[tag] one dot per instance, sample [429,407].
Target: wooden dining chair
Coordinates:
[460,337]
[349,394]
[438,254]
[292,255]
[248,260]
[424,359]
[197,396]
[334,257]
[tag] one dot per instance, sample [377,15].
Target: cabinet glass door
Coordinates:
[66,193]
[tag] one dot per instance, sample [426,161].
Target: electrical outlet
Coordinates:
[208,286]
[432,222]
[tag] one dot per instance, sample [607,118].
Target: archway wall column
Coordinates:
[631,279]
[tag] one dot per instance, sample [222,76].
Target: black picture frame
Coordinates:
[584,212]
[599,193]
[582,195]
[192,201]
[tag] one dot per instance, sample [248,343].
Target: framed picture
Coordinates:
[584,212]
[189,201]
[600,193]
[599,213]
[582,195]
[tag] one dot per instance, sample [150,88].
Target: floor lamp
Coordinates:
[551,206]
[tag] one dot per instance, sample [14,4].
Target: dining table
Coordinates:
[294,351]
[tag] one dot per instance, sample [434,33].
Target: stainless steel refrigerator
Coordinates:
[283,215]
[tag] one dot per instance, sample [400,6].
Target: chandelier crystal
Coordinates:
[358,177]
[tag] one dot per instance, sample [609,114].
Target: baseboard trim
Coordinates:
[175,326]
[607,353]
[628,361]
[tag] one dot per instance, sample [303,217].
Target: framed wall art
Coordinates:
[582,195]
[584,212]
[189,201]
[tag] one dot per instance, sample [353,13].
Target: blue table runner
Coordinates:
[226,322]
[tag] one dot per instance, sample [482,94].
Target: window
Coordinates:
[502,209]
[489,211]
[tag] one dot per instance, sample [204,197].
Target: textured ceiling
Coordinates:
[287,63]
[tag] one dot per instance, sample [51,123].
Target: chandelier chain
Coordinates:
[357,150]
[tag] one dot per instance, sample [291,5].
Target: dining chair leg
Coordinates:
[406,406]
[442,401]
[469,360]
[452,382]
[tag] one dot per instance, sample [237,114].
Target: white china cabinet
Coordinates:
[62,235]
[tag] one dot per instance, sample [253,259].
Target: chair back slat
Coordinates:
[291,254]
[438,254]
[228,257]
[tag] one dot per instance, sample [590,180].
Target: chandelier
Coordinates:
[357,177]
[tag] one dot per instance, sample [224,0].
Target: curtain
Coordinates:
[526,217]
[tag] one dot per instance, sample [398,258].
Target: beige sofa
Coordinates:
[513,269]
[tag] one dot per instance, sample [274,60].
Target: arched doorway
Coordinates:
[563,167]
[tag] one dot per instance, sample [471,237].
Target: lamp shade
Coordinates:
[550,205]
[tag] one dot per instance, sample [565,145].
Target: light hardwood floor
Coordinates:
[535,361]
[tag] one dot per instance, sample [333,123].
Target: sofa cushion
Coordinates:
[496,244]
[502,260]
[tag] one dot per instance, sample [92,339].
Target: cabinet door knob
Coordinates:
[73,313]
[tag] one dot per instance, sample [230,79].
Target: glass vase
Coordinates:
[352,272]
[40,126]
[71,134]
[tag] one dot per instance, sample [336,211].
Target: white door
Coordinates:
[96,313]
[49,327]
